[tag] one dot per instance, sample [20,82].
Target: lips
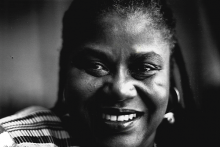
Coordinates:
[119,120]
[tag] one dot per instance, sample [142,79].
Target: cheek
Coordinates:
[158,89]
[80,88]
[162,86]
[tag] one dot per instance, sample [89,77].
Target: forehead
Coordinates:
[132,23]
[131,33]
[136,25]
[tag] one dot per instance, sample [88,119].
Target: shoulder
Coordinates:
[34,125]
[24,113]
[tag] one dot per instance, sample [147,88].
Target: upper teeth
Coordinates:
[119,117]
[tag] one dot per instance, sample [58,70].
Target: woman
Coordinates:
[117,80]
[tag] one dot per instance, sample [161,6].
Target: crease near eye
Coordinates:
[95,68]
[142,71]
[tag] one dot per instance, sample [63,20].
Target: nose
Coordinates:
[121,87]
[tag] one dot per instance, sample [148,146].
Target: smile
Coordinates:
[120,120]
[115,114]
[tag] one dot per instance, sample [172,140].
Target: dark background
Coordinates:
[30,41]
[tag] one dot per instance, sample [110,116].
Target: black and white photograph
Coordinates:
[109,73]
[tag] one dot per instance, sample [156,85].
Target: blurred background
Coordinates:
[30,42]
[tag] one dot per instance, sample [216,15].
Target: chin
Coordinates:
[122,141]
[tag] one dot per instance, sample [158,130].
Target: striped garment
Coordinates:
[33,127]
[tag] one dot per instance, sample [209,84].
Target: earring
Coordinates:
[177,94]
[170,115]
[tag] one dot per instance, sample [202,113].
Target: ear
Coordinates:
[174,99]
[176,91]
[179,78]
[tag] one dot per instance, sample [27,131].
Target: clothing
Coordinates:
[33,127]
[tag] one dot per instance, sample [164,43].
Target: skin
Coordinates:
[125,66]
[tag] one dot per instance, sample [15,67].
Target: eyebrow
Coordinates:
[87,51]
[134,57]
[150,56]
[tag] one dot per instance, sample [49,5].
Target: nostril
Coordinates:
[128,90]
[118,92]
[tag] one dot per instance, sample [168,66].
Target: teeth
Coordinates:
[113,118]
[108,117]
[119,117]
[134,115]
[131,116]
[126,117]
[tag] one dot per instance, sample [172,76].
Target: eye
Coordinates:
[91,65]
[142,71]
[96,68]
[144,68]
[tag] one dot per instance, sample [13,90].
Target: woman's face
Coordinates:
[118,82]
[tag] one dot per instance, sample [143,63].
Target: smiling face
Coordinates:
[118,82]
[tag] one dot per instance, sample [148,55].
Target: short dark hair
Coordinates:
[82,14]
